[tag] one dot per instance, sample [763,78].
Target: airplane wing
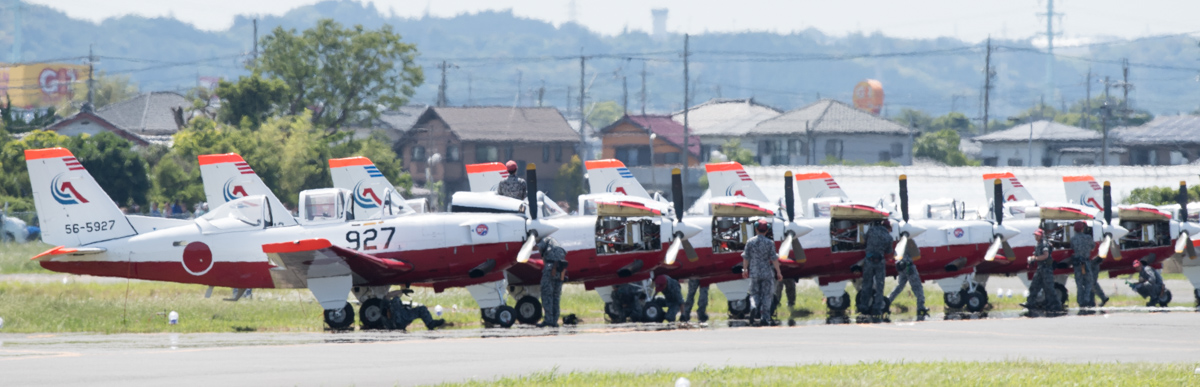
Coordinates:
[327,270]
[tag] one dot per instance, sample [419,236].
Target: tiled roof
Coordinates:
[1042,131]
[828,116]
[665,127]
[1162,130]
[726,117]
[148,113]
[531,124]
[402,119]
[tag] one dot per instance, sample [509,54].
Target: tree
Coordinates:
[567,185]
[942,146]
[604,114]
[119,170]
[912,118]
[15,179]
[955,121]
[12,122]
[254,98]
[343,74]
[1158,196]
[733,151]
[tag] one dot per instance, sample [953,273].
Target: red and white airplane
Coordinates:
[249,243]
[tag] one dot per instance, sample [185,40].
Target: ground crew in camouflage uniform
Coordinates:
[1093,266]
[785,288]
[402,314]
[1150,283]
[1081,252]
[513,186]
[554,272]
[1043,278]
[906,272]
[626,301]
[701,306]
[762,268]
[672,294]
[879,248]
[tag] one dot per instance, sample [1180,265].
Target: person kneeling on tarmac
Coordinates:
[1150,283]
[400,314]
[627,301]
[672,294]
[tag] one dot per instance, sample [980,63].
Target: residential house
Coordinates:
[467,135]
[1043,143]
[150,118]
[720,120]
[629,140]
[1170,140]
[393,123]
[830,131]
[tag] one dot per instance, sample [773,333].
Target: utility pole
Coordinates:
[582,114]
[643,93]
[441,97]
[520,97]
[624,95]
[1104,126]
[1125,86]
[1087,104]
[255,39]
[568,105]
[1050,34]
[541,93]
[686,106]
[91,83]
[470,89]
[987,83]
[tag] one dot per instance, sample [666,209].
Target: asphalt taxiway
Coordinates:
[366,358]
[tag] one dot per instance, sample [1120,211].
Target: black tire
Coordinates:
[1063,295]
[738,310]
[371,314]
[653,312]
[340,319]
[955,300]
[1164,299]
[610,309]
[975,301]
[529,310]
[506,316]
[839,303]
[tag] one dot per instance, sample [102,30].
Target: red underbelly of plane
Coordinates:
[447,263]
[708,264]
[225,274]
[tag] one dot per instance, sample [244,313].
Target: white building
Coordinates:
[1045,144]
[720,120]
[830,131]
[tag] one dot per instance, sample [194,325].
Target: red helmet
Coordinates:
[762,226]
[1038,232]
[511,165]
[1079,226]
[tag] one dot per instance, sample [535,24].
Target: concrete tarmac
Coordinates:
[432,357]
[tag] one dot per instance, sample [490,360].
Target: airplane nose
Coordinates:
[687,229]
[1116,230]
[798,230]
[1190,228]
[542,229]
[912,229]
[1005,231]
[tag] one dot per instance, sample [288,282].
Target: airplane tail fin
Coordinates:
[731,179]
[817,185]
[374,195]
[227,177]
[1013,190]
[611,176]
[1083,190]
[73,209]
[486,177]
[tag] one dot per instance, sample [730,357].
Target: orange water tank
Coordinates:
[868,95]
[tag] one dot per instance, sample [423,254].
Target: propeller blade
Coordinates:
[789,196]
[527,248]
[993,249]
[998,201]
[798,250]
[531,190]
[901,247]
[1107,203]
[1105,247]
[1182,198]
[690,251]
[1191,252]
[904,197]
[1008,252]
[677,192]
[1115,248]
[785,249]
[1182,242]
[673,251]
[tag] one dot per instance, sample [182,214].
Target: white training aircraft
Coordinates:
[247,242]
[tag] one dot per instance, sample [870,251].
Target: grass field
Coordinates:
[139,306]
[14,257]
[867,374]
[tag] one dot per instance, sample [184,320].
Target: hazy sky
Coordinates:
[970,20]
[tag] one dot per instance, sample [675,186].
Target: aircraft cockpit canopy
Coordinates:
[323,205]
[249,212]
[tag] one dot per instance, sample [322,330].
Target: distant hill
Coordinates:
[490,48]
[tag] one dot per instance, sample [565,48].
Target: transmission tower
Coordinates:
[1050,34]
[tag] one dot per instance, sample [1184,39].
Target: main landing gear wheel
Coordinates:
[529,310]
[1164,299]
[371,314]
[975,301]
[505,316]
[340,319]
[839,303]
[955,300]
[739,309]
[653,312]
[1062,293]
[610,310]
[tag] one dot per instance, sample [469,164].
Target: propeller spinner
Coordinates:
[536,228]
[1000,232]
[792,230]
[682,231]
[1111,231]
[907,230]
